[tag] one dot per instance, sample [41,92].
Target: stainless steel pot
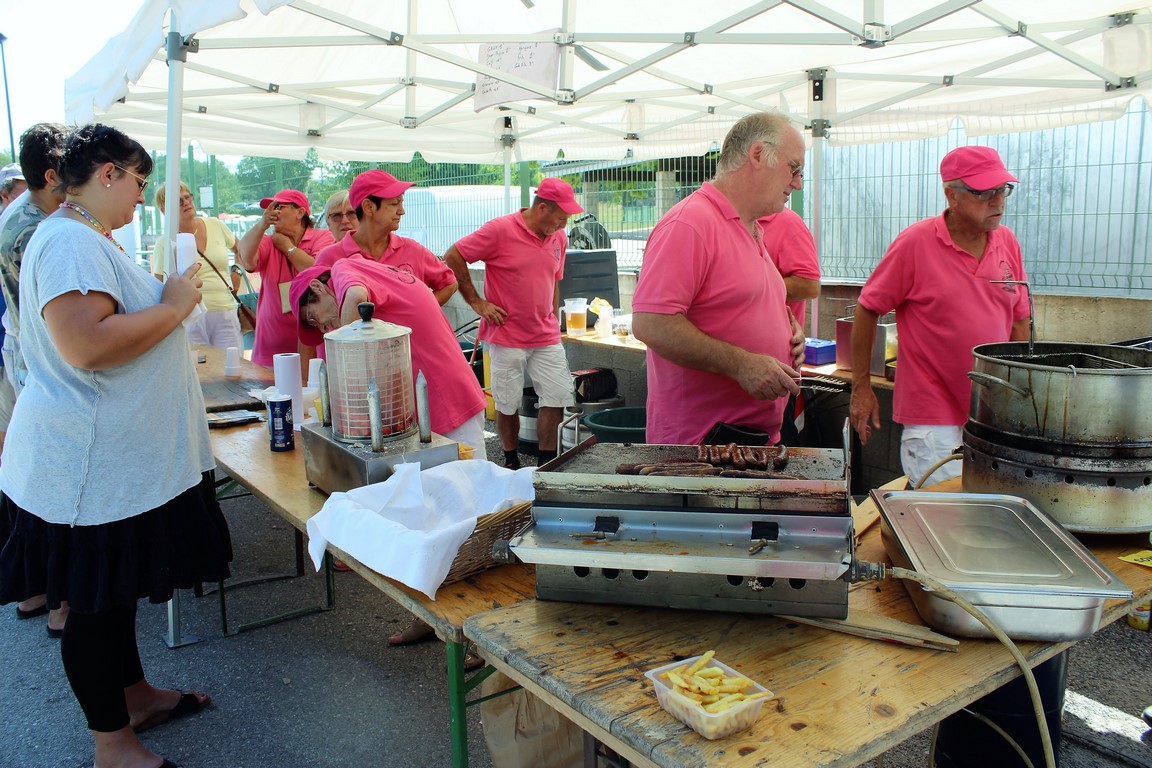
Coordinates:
[1065,394]
[1085,495]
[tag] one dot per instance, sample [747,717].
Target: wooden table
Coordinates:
[844,700]
[278,479]
[229,394]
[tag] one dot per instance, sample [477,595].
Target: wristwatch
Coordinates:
[289,251]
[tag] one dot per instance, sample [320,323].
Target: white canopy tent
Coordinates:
[380,79]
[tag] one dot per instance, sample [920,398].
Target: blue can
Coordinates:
[280,423]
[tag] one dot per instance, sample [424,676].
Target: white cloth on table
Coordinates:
[410,527]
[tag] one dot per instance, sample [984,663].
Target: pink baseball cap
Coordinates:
[376,184]
[297,198]
[560,192]
[312,337]
[978,167]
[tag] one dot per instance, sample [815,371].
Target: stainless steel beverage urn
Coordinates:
[369,372]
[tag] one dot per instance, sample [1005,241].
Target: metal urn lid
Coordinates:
[367,329]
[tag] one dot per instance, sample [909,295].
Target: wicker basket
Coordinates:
[475,553]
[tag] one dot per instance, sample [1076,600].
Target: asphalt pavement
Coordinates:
[326,690]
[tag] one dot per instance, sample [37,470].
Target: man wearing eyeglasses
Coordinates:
[723,347]
[939,276]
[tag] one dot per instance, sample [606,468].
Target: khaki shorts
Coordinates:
[548,367]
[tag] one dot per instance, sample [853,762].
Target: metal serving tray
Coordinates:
[1010,559]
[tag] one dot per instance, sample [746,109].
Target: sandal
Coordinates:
[472,659]
[416,632]
[189,703]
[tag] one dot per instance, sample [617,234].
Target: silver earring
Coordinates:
[109,186]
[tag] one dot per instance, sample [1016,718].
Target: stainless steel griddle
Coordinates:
[773,546]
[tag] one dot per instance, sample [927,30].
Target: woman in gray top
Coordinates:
[108,494]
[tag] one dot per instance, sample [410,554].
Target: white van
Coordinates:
[437,217]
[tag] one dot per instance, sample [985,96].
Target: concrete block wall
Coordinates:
[1082,319]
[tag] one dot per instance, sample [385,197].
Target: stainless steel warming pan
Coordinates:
[1010,559]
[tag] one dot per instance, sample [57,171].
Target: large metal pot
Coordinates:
[1091,395]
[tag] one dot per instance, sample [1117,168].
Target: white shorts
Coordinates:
[548,367]
[471,434]
[219,328]
[921,446]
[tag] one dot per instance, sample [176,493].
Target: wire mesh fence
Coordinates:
[1082,210]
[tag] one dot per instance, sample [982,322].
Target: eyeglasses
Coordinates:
[140,180]
[986,195]
[797,170]
[282,206]
[342,215]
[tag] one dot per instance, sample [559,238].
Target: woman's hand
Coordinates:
[182,292]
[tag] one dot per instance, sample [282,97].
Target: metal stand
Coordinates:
[329,594]
[175,638]
[459,686]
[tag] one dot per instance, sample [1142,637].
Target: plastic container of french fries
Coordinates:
[689,689]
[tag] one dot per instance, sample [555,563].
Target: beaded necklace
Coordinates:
[95,223]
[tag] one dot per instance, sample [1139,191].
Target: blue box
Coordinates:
[819,352]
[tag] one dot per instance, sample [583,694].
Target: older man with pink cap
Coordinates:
[523,255]
[278,257]
[378,198]
[943,277]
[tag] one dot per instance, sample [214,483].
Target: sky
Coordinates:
[46,44]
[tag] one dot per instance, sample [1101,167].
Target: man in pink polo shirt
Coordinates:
[378,198]
[709,302]
[523,255]
[790,246]
[939,275]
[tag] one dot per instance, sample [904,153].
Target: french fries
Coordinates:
[709,687]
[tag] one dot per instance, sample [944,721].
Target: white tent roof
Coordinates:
[379,79]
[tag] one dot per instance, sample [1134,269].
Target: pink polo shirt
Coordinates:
[454,396]
[702,262]
[944,306]
[276,328]
[790,245]
[404,254]
[521,270]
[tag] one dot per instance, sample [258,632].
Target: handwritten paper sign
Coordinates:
[537,62]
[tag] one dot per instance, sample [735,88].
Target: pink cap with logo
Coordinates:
[295,197]
[560,192]
[978,167]
[376,184]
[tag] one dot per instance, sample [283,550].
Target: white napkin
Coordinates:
[411,526]
[186,256]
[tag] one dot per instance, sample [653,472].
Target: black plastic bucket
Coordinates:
[965,742]
[477,365]
[527,441]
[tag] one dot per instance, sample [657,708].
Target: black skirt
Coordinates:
[183,542]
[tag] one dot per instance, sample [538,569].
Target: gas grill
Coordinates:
[772,546]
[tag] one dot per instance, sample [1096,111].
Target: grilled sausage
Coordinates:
[780,460]
[757,474]
[739,458]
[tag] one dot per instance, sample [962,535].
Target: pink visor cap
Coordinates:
[559,192]
[978,167]
[310,336]
[376,184]
[295,197]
